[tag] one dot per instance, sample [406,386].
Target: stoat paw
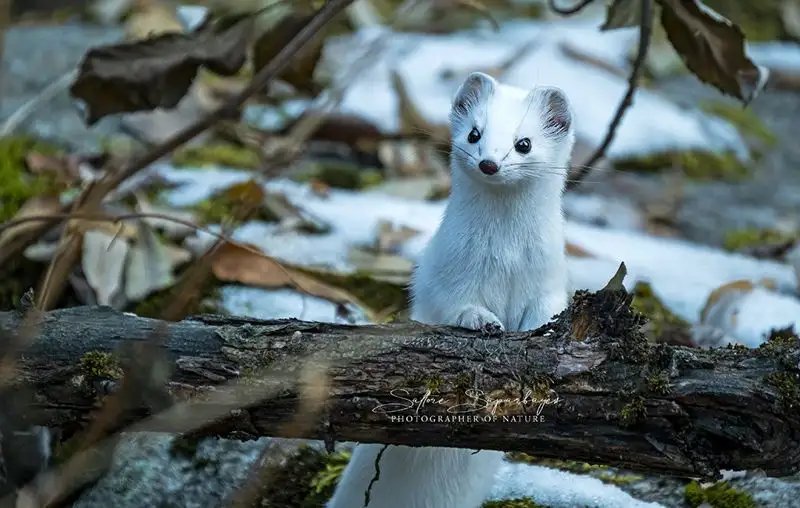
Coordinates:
[479,318]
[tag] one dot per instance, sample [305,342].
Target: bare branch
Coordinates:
[587,386]
[645,30]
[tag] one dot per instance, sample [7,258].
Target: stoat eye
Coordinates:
[523,145]
[474,136]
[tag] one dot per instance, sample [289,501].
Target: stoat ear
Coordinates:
[557,112]
[475,89]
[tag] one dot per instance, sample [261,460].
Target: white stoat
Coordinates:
[497,262]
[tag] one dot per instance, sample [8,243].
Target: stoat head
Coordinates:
[507,136]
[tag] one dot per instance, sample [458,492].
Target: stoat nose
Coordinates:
[487,167]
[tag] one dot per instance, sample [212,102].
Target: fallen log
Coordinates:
[587,386]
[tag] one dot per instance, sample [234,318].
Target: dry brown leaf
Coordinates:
[712,47]
[245,264]
[157,72]
[576,251]
[65,168]
[319,188]
[149,18]
[43,205]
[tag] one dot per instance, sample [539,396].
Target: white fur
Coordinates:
[497,260]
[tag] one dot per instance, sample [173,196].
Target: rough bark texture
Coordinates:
[621,401]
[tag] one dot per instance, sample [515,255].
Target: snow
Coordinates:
[681,274]
[652,124]
[784,56]
[559,489]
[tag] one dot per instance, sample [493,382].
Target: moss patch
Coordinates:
[746,238]
[744,119]
[100,364]
[634,412]
[719,495]
[341,175]
[307,480]
[788,385]
[696,164]
[17,185]
[661,322]
[216,154]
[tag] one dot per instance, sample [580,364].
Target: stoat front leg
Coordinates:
[476,317]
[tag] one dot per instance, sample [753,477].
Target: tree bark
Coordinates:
[587,386]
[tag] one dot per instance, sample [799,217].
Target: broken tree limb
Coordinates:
[587,386]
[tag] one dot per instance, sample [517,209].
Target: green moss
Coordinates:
[661,320]
[341,175]
[17,185]
[719,495]
[217,154]
[307,479]
[519,502]
[696,164]
[225,205]
[633,412]
[744,238]
[788,387]
[744,119]
[658,383]
[325,481]
[100,364]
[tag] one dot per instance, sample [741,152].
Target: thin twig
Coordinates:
[645,30]
[26,110]
[568,11]
[111,180]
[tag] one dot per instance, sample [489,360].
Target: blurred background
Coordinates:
[331,179]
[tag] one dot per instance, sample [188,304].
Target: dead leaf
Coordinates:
[576,251]
[245,264]
[148,266]
[319,188]
[42,205]
[300,72]
[726,295]
[149,18]
[622,14]
[390,237]
[712,47]
[64,168]
[157,72]
[103,263]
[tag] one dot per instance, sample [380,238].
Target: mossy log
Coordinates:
[587,386]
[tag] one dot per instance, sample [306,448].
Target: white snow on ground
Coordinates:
[681,274]
[652,124]
[559,489]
